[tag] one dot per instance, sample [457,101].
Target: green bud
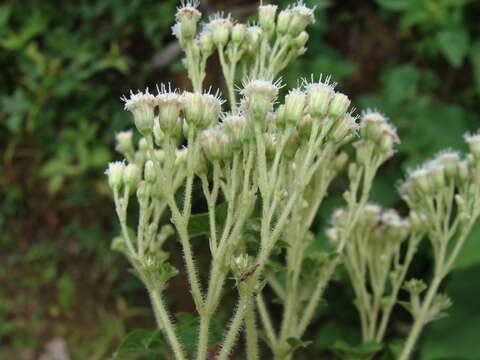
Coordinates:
[143,191]
[215,144]
[473,142]
[205,40]
[220,29]
[283,21]
[294,106]
[450,161]
[212,106]
[124,142]
[463,172]
[305,126]
[142,106]
[239,33]
[301,39]
[150,173]
[115,172]
[422,180]
[372,125]
[266,17]
[170,104]
[259,97]
[253,37]
[158,134]
[340,161]
[193,108]
[131,175]
[300,18]
[338,106]
[363,152]
[188,17]
[438,177]
[319,97]
[418,222]
[270,145]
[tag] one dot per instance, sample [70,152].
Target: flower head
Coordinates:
[141,105]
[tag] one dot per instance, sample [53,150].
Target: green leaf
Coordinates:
[199,224]
[142,343]
[365,351]
[296,343]
[188,327]
[454,43]
[475,60]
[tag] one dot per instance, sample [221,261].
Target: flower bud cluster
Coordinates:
[120,175]
[199,111]
[433,176]
[378,135]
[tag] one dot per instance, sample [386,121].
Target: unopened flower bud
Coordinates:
[212,106]
[387,140]
[343,127]
[239,32]
[438,177]
[292,145]
[150,174]
[473,142]
[131,175]
[305,126]
[170,104]
[363,152]
[319,97]
[215,144]
[266,17]
[332,235]
[143,191]
[338,106]
[193,108]
[301,17]
[124,142]
[188,17]
[450,162]
[418,222]
[181,157]
[253,36]
[301,40]
[283,21]
[340,161]
[158,134]
[259,97]
[205,41]
[372,214]
[270,145]
[422,179]
[294,106]
[372,125]
[236,128]
[142,145]
[220,28]
[115,172]
[142,106]
[281,117]
[463,172]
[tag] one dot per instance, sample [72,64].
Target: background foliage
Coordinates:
[64,65]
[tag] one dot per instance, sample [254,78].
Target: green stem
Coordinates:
[251,333]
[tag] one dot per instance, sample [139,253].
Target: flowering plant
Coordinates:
[264,169]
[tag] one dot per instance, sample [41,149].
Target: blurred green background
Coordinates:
[65,64]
